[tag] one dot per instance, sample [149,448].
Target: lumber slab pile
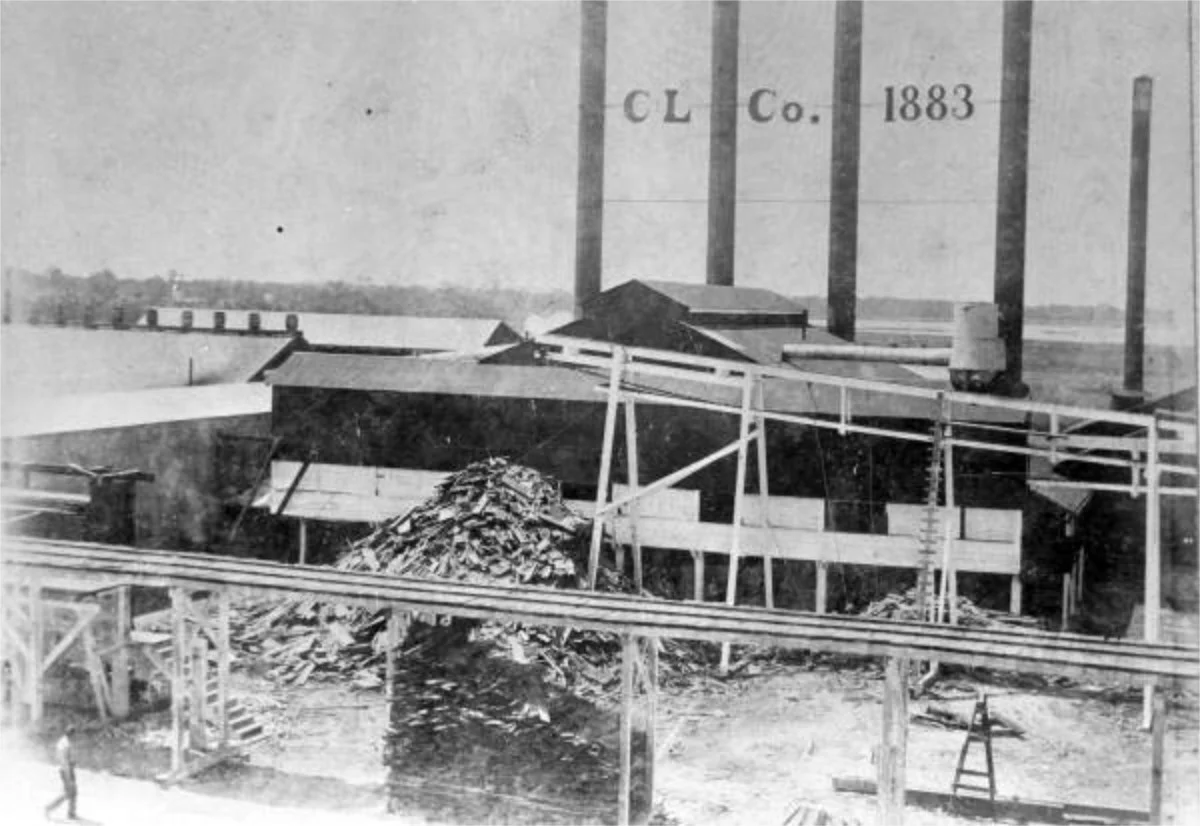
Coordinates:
[905,606]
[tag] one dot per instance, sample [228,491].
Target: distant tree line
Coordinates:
[53,296]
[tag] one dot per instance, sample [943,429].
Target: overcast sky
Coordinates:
[436,143]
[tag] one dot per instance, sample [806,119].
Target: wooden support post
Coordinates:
[698,576]
[631,462]
[651,689]
[1152,613]
[1066,601]
[624,785]
[822,599]
[197,689]
[893,744]
[37,643]
[1157,742]
[303,541]
[395,635]
[739,500]
[179,651]
[764,491]
[1014,596]
[606,451]
[120,655]
[95,669]
[949,590]
[223,667]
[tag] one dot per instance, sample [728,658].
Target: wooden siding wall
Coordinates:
[857,473]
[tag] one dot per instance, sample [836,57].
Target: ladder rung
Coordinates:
[971,788]
[973,773]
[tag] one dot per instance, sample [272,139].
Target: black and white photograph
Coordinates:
[672,412]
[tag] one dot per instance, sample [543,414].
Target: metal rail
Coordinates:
[1001,649]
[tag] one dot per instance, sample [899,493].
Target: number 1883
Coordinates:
[911,103]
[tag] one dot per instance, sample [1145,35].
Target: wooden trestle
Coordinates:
[33,565]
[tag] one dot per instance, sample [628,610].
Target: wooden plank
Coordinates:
[800,513]
[822,595]
[624,785]
[698,576]
[303,531]
[37,642]
[991,524]
[666,503]
[909,520]
[1016,650]
[829,546]
[651,688]
[606,451]
[739,498]
[85,613]
[1015,589]
[631,462]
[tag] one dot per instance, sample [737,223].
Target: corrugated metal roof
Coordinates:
[709,298]
[362,332]
[28,416]
[400,374]
[52,361]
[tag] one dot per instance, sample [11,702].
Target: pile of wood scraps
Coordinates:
[904,606]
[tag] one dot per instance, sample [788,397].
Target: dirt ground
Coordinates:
[744,750]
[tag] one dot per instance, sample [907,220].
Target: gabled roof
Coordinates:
[359,332]
[709,298]
[54,361]
[401,374]
[26,416]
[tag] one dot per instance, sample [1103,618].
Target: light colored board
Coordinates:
[992,524]
[670,503]
[365,480]
[828,546]
[909,520]
[786,512]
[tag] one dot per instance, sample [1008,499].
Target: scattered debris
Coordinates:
[903,606]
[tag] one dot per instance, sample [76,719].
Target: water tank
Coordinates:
[219,320]
[977,356]
[185,321]
[255,322]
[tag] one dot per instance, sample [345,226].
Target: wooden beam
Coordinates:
[95,669]
[671,478]
[893,743]
[1152,614]
[698,576]
[822,596]
[120,653]
[624,784]
[37,642]
[179,652]
[764,492]
[303,542]
[223,668]
[651,688]
[86,612]
[1014,596]
[197,679]
[631,462]
[1013,650]
[1157,742]
[739,503]
[606,451]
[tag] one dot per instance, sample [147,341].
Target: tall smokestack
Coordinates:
[1135,286]
[589,203]
[843,171]
[722,152]
[1012,187]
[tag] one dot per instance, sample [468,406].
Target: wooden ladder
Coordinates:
[979,730]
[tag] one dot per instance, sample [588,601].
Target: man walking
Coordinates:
[65,757]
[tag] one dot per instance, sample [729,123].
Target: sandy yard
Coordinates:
[744,750]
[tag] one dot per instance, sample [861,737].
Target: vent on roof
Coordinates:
[219,320]
[185,320]
[291,322]
[255,322]
[152,318]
